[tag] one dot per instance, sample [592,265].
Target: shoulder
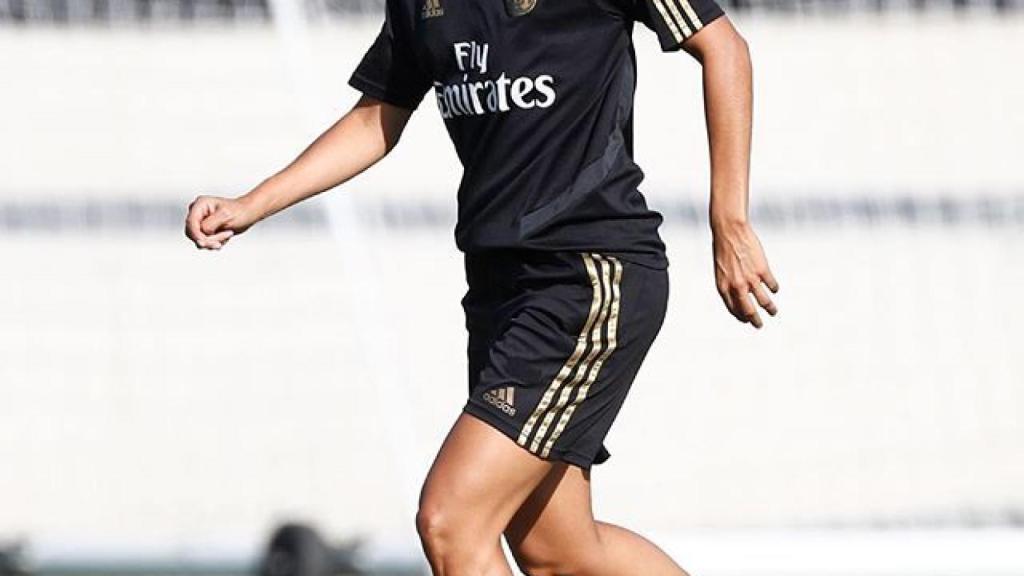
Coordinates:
[402,15]
[405,10]
[406,5]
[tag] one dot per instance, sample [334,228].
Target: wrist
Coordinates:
[255,203]
[728,206]
[728,220]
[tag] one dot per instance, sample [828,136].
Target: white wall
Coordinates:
[864,102]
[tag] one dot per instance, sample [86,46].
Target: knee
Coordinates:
[453,543]
[450,536]
[434,526]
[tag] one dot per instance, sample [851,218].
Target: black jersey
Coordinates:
[537,96]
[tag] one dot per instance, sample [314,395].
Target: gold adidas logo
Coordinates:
[503,399]
[432,9]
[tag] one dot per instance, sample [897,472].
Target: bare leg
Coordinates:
[554,533]
[478,481]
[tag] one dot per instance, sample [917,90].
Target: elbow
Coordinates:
[379,120]
[742,48]
[734,47]
[740,44]
[733,53]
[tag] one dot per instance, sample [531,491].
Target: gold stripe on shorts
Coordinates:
[613,322]
[597,345]
[570,363]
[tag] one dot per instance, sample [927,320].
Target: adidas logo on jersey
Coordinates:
[503,399]
[432,9]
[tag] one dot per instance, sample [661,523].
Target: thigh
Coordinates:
[480,478]
[555,525]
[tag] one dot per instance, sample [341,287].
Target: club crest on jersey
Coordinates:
[520,7]
[432,9]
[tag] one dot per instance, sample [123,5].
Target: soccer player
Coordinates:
[566,271]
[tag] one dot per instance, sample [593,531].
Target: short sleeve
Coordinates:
[675,21]
[389,71]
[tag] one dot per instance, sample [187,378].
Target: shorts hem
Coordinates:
[485,415]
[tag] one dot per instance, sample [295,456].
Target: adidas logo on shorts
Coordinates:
[503,399]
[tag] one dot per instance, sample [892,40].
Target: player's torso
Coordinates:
[537,96]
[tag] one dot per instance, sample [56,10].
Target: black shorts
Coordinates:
[555,341]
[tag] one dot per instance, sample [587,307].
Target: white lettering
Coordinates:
[492,96]
[483,96]
[545,85]
[462,50]
[441,103]
[520,88]
[503,84]
[451,95]
[482,54]
[474,90]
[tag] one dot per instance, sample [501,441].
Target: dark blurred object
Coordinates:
[12,560]
[239,11]
[298,550]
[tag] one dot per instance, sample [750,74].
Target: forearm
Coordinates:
[728,98]
[741,269]
[357,141]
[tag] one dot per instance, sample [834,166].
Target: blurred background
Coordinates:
[163,410]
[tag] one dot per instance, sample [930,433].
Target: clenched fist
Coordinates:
[212,221]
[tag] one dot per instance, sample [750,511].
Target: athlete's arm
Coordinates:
[357,141]
[741,269]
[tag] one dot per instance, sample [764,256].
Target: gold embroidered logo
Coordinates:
[520,7]
[503,399]
[432,9]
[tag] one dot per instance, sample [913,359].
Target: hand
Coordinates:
[212,221]
[742,273]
